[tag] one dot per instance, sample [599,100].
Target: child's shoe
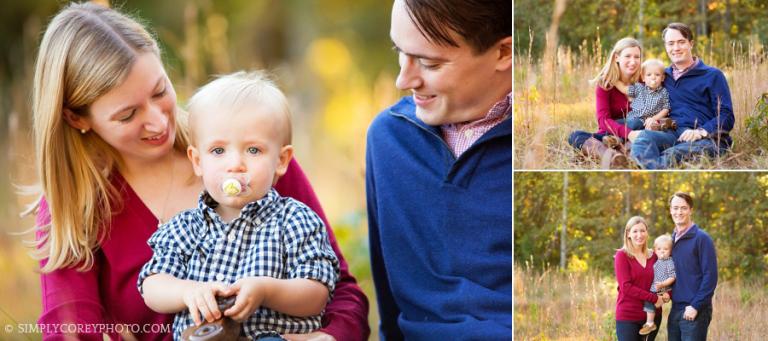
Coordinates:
[647,328]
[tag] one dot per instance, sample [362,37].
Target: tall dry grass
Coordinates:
[555,305]
[543,120]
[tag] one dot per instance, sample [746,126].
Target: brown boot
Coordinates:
[609,158]
[647,328]
[611,141]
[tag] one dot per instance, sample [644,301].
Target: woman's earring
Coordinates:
[82,131]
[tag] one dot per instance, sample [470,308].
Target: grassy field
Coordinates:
[550,105]
[554,305]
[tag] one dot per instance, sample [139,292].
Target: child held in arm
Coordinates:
[663,278]
[243,239]
[650,100]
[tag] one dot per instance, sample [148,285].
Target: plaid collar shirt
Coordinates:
[274,236]
[677,73]
[460,136]
[647,102]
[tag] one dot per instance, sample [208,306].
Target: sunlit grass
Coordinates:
[555,305]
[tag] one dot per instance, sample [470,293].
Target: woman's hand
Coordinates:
[251,293]
[200,299]
[315,336]
[659,302]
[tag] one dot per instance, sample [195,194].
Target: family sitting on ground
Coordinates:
[675,115]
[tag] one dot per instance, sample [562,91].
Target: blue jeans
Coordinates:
[680,329]
[648,307]
[577,138]
[630,330]
[660,149]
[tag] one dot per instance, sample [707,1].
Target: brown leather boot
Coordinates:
[609,158]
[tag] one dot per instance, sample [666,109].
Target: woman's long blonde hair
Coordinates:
[610,73]
[626,246]
[86,51]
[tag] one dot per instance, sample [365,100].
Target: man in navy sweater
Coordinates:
[701,106]
[696,267]
[439,175]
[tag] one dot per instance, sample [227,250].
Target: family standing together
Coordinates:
[681,267]
[699,102]
[149,213]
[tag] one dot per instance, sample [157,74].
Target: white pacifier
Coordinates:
[235,184]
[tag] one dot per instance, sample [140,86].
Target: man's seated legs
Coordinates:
[689,150]
[647,148]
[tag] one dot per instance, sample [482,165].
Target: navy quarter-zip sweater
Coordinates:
[701,99]
[440,230]
[696,269]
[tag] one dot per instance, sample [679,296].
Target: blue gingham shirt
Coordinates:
[647,102]
[274,236]
[663,269]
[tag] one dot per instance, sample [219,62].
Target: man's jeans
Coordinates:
[679,329]
[657,149]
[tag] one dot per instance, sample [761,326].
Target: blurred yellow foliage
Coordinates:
[575,264]
[329,58]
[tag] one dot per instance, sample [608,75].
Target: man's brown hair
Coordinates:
[682,195]
[680,27]
[480,23]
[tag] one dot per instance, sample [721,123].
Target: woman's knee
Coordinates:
[577,138]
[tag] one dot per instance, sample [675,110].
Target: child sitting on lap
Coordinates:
[243,238]
[650,101]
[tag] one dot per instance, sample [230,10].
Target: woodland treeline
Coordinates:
[731,207]
[596,25]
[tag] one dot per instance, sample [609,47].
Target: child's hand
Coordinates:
[200,299]
[251,292]
[649,122]
[660,285]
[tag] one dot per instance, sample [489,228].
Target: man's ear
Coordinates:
[194,155]
[286,154]
[76,121]
[504,55]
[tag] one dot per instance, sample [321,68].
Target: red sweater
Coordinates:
[634,287]
[107,293]
[611,105]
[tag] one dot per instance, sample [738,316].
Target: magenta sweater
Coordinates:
[107,294]
[611,105]
[634,287]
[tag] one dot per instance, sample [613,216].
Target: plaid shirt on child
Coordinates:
[647,102]
[663,269]
[274,236]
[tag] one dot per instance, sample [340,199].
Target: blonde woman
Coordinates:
[633,264]
[612,104]
[111,156]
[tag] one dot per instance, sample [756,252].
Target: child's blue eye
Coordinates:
[253,150]
[217,151]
